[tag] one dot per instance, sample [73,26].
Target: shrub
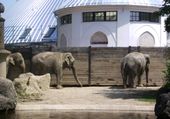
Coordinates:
[167,74]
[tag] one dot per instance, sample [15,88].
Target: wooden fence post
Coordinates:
[89,66]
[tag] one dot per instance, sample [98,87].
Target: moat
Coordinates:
[79,114]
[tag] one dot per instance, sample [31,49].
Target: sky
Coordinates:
[7,3]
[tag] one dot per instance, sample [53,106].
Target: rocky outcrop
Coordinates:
[30,86]
[162,106]
[8,96]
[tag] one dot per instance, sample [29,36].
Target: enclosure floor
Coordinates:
[93,98]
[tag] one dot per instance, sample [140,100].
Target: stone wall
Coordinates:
[101,66]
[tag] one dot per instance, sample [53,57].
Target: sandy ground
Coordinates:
[96,96]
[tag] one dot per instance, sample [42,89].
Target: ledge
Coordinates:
[23,107]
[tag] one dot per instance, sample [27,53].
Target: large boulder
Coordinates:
[29,86]
[162,106]
[8,96]
[43,81]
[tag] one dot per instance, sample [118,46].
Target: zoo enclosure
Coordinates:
[101,66]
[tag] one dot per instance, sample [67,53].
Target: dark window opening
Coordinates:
[99,42]
[99,16]
[154,18]
[143,16]
[67,19]
[111,16]
[49,32]
[88,16]
[134,16]
[25,33]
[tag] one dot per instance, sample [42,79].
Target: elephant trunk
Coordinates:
[75,76]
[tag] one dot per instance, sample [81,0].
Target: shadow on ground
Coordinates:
[129,93]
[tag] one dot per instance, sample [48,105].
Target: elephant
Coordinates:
[54,63]
[15,65]
[132,65]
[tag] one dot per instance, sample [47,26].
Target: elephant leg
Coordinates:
[125,81]
[131,81]
[139,74]
[147,73]
[59,79]
[139,81]
[123,78]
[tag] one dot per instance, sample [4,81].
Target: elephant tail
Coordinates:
[125,69]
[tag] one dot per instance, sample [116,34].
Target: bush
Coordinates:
[167,74]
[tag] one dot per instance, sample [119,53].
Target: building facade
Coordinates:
[110,23]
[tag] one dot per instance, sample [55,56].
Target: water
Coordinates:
[75,115]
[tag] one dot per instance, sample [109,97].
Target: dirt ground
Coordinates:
[96,96]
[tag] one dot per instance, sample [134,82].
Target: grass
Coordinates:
[147,98]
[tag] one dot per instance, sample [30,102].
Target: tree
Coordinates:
[165,11]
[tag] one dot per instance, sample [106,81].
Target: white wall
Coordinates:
[108,28]
[76,29]
[121,33]
[157,30]
[136,30]
[123,28]
[78,34]
[66,31]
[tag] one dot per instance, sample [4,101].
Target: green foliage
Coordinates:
[148,96]
[167,24]
[149,99]
[165,11]
[167,74]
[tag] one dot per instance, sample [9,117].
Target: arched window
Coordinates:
[63,41]
[99,38]
[146,40]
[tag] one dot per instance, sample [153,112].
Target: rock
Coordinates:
[26,75]
[162,106]
[28,85]
[33,87]
[43,81]
[8,96]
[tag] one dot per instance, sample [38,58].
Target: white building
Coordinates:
[110,23]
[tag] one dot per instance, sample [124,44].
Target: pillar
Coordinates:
[3,53]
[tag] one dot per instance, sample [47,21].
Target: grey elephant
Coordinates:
[132,65]
[54,63]
[15,65]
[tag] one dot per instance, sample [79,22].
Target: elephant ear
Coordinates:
[67,59]
[11,61]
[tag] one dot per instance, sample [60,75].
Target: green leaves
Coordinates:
[165,11]
[167,24]
[167,74]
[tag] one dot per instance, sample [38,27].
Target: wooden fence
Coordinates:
[101,66]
